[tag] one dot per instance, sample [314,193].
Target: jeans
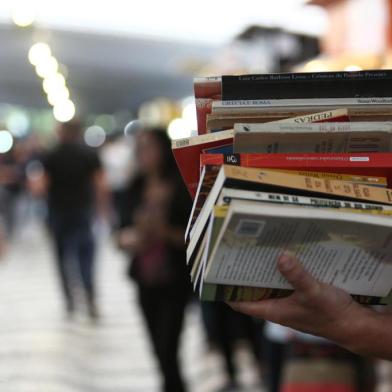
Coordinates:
[74,247]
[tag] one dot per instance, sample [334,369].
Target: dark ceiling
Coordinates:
[105,73]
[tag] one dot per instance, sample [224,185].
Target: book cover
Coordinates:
[223,292]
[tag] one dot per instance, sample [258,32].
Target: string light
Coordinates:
[55,97]
[46,67]
[39,51]
[23,13]
[54,83]
[64,111]
[6,141]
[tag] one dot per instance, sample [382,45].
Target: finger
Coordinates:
[296,275]
[269,309]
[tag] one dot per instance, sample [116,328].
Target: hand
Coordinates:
[130,240]
[314,307]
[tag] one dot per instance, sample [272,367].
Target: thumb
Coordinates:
[296,275]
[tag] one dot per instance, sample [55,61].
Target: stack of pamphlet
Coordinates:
[296,163]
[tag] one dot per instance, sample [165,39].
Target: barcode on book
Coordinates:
[182,143]
[249,228]
[359,159]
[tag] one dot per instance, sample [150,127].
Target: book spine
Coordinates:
[338,115]
[203,108]
[243,104]
[201,140]
[277,127]
[307,201]
[218,123]
[307,85]
[310,76]
[313,138]
[252,161]
[208,87]
[317,185]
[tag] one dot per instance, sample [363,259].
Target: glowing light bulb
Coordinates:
[64,111]
[46,67]
[53,82]
[6,141]
[39,51]
[55,97]
[23,13]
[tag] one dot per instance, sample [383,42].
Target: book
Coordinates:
[319,104]
[187,152]
[206,90]
[229,194]
[268,180]
[334,248]
[337,115]
[225,292]
[370,169]
[370,165]
[370,83]
[210,165]
[313,138]
[306,169]
[206,182]
[227,119]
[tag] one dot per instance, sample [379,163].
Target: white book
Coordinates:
[350,250]
[340,137]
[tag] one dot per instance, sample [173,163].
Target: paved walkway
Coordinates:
[41,351]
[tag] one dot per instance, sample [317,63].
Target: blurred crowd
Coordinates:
[131,186]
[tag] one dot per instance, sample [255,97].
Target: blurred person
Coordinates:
[225,328]
[11,183]
[324,310]
[117,163]
[154,215]
[76,189]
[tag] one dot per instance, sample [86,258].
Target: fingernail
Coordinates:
[285,262]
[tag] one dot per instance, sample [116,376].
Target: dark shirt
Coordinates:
[178,212]
[71,168]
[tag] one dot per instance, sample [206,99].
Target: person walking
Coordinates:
[75,188]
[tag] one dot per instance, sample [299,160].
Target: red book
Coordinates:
[187,154]
[361,164]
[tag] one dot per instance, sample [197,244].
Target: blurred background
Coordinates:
[107,72]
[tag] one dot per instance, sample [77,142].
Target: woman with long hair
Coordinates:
[154,214]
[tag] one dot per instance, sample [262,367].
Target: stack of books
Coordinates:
[296,163]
